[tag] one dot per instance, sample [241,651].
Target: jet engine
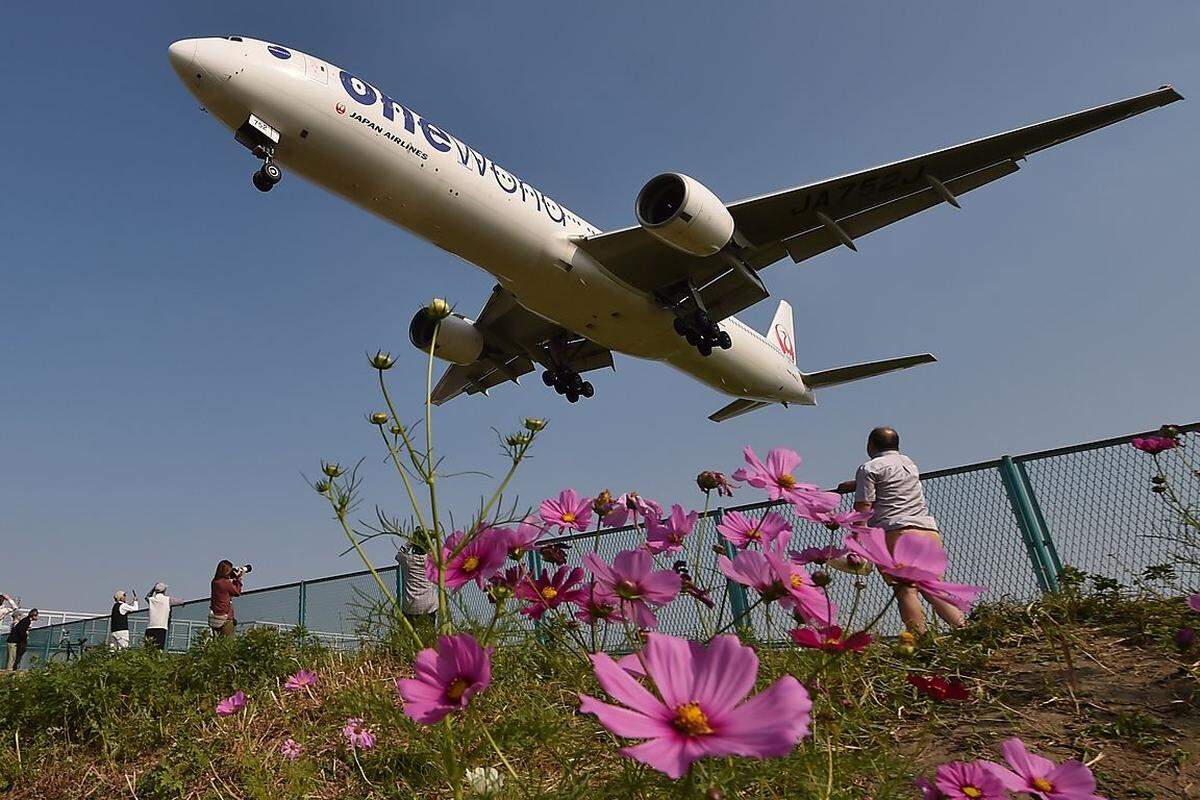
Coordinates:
[683,213]
[458,340]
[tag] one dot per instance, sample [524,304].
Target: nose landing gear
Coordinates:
[267,176]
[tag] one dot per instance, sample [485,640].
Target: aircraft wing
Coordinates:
[516,341]
[810,219]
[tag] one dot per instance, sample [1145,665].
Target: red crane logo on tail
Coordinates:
[785,343]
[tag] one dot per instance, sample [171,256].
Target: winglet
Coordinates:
[736,409]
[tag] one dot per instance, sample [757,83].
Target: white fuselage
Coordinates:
[346,135]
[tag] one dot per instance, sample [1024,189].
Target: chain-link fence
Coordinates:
[1010,524]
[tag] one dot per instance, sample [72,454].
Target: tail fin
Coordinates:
[780,333]
[856,372]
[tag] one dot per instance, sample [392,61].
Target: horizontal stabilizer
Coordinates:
[736,409]
[856,372]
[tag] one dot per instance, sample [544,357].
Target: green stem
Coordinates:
[412,497]
[503,760]
[398,611]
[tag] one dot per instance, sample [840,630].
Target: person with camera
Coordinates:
[226,585]
[159,604]
[118,620]
[18,639]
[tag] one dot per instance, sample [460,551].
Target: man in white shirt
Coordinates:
[889,486]
[118,620]
[159,603]
[419,600]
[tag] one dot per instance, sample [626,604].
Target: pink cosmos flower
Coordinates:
[504,585]
[775,476]
[928,790]
[629,507]
[569,511]
[711,480]
[524,538]
[358,735]
[830,639]
[632,585]
[546,592]
[301,681]
[917,560]
[1040,777]
[834,519]
[703,710]
[668,537]
[1154,444]
[742,531]
[447,678]
[593,611]
[1194,602]
[290,749]
[968,781]
[477,560]
[775,578]
[817,555]
[232,704]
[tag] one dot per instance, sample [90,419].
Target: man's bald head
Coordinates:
[881,440]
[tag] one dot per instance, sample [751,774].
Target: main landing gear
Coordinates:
[702,333]
[568,383]
[269,174]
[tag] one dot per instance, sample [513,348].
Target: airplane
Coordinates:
[569,295]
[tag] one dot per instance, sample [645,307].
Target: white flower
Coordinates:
[484,781]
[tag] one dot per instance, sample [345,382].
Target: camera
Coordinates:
[242,570]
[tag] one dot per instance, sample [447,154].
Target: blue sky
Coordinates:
[176,348]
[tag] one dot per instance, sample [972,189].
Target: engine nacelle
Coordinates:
[683,213]
[458,340]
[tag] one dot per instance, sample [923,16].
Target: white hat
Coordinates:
[160,587]
[119,595]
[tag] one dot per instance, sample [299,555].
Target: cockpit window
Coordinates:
[234,38]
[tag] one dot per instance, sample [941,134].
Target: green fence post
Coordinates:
[1027,522]
[302,611]
[1053,563]
[737,593]
[535,567]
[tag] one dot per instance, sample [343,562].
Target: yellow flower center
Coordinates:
[797,581]
[1042,785]
[549,593]
[786,481]
[971,791]
[755,534]
[568,517]
[691,720]
[471,563]
[454,691]
[832,641]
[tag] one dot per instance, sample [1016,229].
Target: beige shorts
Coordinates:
[893,536]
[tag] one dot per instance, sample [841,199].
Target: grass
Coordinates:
[141,723]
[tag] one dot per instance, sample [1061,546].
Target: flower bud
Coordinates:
[534,424]
[322,487]
[518,439]
[332,469]
[905,650]
[707,481]
[907,638]
[602,504]
[379,418]
[821,578]
[438,309]
[1170,431]
[1159,479]
[382,360]
[1158,488]
[396,430]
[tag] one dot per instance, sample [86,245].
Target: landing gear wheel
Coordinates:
[572,396]
[587,390]
[680,327]
[548,378]
[561,384]
[725,340]
[272,172]
[705,348]
[261,182]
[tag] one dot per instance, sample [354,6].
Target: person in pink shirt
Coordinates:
[226,585]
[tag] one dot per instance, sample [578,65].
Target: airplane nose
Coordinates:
[182,55]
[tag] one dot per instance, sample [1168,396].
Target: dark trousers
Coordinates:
[157,637]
